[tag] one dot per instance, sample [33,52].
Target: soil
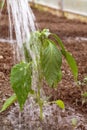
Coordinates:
[73,34]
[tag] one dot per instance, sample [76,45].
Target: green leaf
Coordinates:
[72,63]
[45,32]
[35,43]
[59,42]
[51,64]
[8,102]
[21,81]
[26,54]
[60,103]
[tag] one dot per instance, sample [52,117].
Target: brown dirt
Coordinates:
[68,30]
[61,26]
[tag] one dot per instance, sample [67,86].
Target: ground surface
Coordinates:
[71,32]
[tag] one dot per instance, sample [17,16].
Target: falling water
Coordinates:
[21,22]
[21,19]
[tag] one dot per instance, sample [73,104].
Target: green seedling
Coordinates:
[48,57]
[81,85]
[74,122]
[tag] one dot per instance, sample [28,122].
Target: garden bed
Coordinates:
[73,33]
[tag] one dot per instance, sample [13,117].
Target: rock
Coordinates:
[1,57]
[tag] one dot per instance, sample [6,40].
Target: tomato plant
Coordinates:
[47,66]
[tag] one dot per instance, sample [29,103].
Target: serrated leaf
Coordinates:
[8,102]
[51,63]
[60,104]
[21,81]
[72,63]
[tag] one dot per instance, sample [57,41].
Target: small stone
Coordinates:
[6,122]
[1,57]
[6,66]
[0,92]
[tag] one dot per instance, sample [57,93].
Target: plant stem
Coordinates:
[40,102]
[41,111]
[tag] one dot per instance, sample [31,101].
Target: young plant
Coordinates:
[74,122]
[45,64]
[84,93]
[84,98]
[82,84]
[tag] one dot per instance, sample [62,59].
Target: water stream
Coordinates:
[21,19]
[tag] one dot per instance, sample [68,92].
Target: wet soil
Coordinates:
[70,31]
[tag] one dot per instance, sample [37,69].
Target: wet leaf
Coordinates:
[45,33]
[8,102]
[26,54]
[69,58]
[60,104]
[21,81]
[51,64]
[59,41]
[72,63]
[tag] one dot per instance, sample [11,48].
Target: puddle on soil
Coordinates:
[54,118]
